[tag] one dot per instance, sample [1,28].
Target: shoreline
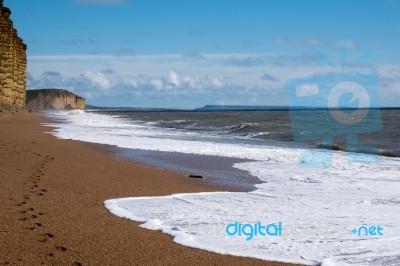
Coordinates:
[216,171]
[53,194]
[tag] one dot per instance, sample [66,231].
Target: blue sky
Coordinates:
[187,53]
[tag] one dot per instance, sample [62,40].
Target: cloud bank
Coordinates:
[190,80]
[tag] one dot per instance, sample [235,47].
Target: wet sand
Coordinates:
[216,170]
[52,194]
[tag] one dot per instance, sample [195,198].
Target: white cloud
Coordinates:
[217,83]
[307,90]
[99,79]
[157,83]
[172,79]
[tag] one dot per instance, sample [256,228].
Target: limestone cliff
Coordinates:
[12,63]
[53,99]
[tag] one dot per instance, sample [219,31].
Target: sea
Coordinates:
[333,185]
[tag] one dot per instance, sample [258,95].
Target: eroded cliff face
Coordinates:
[53,99]
[12,63]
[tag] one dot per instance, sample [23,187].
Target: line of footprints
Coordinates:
[31,216]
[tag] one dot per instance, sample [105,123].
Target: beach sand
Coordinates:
[52,194]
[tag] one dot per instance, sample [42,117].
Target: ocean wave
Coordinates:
[241,126]
[179,123]
[257,134]
[76,112]
[385,201]
[361,149]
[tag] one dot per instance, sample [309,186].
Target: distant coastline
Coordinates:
[231,108]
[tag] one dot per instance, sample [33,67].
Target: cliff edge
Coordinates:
[58,99]
[12,63]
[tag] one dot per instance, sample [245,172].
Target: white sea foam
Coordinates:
[319,207]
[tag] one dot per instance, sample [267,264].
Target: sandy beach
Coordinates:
[52,198]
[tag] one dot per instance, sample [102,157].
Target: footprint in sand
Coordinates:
[46,237]
[61,248]
[20,204]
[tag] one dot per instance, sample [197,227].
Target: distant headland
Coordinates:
[58,99]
